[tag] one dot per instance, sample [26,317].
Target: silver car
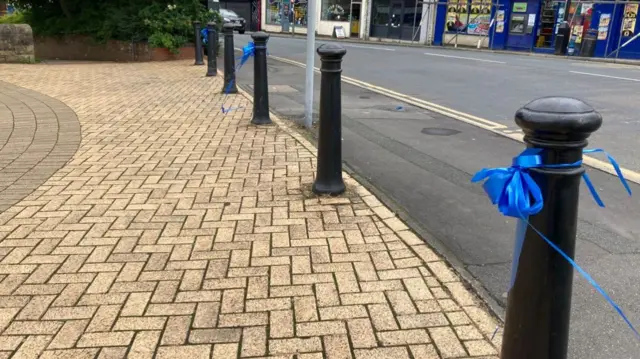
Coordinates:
[230,17]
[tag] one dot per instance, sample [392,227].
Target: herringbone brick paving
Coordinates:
[178,232]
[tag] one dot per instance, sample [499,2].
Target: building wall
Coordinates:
[83,48]
[16,43]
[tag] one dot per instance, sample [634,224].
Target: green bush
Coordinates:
[163,23]
[15,18]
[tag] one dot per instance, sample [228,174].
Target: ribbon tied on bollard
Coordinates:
[516,194]
[247,52]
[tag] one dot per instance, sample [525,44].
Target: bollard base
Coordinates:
[212,73]
[261,120]
[229,90]
[199,63]
[332,189]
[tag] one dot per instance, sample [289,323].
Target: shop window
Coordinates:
[517,24]
[273,12]
[380,12]
[299,14]
[336,10]
[412,15]
[470,17]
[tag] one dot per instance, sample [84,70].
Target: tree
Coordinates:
[164,23]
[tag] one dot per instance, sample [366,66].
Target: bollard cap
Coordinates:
[334,51]
[211,25]
[196,22]
[228,27]
[260,36]
[558,119]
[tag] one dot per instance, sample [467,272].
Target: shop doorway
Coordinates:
[395,19]
[355,19]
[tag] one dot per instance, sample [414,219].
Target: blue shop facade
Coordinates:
[563,27]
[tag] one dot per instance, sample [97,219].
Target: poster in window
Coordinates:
[603,31]
[486,7]
[478,20]
[631,11]
[475,7]
[605,20]
[629,20]
[577,31]
[457,15]
[462,10]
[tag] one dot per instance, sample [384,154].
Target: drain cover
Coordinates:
[439,131]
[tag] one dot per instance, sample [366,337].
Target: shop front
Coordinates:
[463,23]
[396,19]
[589,28]
[285,16]
[291,16]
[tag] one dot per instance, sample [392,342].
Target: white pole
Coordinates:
[311,56]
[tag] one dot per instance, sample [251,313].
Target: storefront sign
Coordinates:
[629,20]
[519,7]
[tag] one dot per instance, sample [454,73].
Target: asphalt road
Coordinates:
[493,85]
[427,176]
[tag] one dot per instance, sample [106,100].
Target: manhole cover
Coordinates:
[439,131]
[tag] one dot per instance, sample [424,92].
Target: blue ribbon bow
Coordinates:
[204,34]
[517,195]
[248,51]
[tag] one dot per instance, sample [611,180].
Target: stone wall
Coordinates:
[84,48]
[16,43]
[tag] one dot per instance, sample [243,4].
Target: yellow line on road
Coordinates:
[494,127]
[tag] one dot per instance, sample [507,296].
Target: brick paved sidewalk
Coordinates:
[178,232]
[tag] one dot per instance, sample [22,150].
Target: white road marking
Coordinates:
[607,76]
[464,58]
[494,127]
[369,47]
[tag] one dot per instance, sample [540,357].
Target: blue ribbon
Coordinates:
[517,195]
[204,34]
[248,51]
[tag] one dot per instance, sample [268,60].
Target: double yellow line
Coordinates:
[494,127]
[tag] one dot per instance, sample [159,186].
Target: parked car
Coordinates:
[230,17]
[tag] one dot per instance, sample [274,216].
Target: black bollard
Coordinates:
[539,303]
[198,43]
[329,176]
[260,85]
[212,39]
[229,85]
